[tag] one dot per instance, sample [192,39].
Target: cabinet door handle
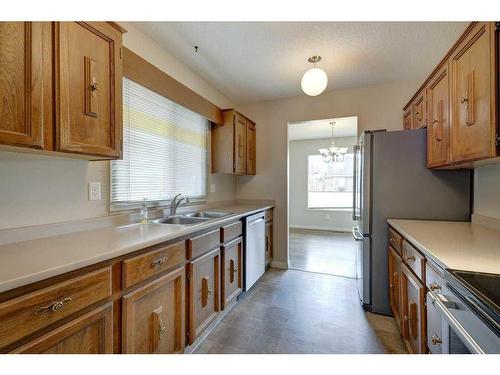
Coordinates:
[159,262]
[435,340]
[159,329]
[433,286]
[53,306]
[468,99]
[410,258]
[439,122]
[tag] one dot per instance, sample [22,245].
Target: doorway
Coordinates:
[320,166]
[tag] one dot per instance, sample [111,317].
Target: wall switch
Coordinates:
[94,191]
[212,188]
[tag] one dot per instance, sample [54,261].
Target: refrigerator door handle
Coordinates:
[358,236]
[354,182]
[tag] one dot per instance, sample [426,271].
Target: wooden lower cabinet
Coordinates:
[414,327]
[91,333]
[204,292]
[395,285]
[232,275]
[269,242]
[153,316]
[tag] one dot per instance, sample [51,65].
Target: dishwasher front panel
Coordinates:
[255,249]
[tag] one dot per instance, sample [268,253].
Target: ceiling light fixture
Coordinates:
[314,81]
[333,153]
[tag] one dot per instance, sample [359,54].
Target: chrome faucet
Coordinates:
[144,211]
[174,203]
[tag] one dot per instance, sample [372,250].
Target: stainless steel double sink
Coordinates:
[191,218]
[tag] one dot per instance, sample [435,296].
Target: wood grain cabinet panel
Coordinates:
[473,96]
[251,148]
[395,240]
[88,77]
[395,285]
[204,293]
[25,79]
[29,313]
[240,144]
[414,325]
[199,245]
[153,316]
[232,271]
[414,259]
[419,109]
[91,333]
[231,231]
[408,118]
[438,129]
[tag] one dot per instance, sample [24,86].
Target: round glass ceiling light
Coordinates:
[315,80]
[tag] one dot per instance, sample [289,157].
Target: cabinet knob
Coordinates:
[435,340]
[54,306]
[433,286]
[159,262]
[410,258]
[464,100]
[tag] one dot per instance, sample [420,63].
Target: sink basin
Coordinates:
[207,214]
[181,220]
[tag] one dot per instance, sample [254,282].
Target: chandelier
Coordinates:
[333,153]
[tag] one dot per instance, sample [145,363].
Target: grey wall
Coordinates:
[487,191]
[300,215]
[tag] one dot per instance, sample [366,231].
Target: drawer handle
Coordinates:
[410,258]
[161,328]
[54,306]
[435,340]
[434,286]
[159,262]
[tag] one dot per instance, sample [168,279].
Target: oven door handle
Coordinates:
[437,301]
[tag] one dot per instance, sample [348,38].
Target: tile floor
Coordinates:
[323,251]
[289,311]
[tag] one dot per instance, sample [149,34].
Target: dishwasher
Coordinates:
[255,249]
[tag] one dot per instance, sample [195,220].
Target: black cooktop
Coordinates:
[481,291]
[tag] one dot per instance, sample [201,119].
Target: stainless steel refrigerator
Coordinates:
[391,180]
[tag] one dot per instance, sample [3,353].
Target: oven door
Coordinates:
[462,331]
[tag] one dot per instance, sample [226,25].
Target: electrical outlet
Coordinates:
[94,191]
[212,188]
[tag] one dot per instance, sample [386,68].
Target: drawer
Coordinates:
[27,314]
[231,231]
[144,266]
[414,259]
[395,240]
[433,278]
[269,215]
[203,243]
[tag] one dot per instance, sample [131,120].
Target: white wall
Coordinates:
[377,107]
[300,215]
[40,190]
[487,191]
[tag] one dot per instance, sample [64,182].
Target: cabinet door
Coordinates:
[204,284]
[473,96]
[438,129]
[395,285]
[25,74]
[92,333]
[153,316]
[408,118]
[414,326]
[269,242]
[240,130]
[232,277]
[251,148]
[420,110]
[88,77]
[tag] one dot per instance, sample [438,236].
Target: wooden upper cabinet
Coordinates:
[408,118]
[153,316]
[438,129]
[234,145]
[91,333]
[240,146]
[419,109]
[204,296]
[25,79]
[473,96]
[251,148]
[88,77]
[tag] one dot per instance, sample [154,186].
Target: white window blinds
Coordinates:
[164,149]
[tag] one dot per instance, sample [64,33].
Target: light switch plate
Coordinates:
[212,188]
[94,191]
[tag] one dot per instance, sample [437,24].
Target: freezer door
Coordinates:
[363,267]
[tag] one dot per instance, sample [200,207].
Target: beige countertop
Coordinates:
[26,262]
[455,245]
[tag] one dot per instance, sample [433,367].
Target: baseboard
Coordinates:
[282,265]
[330,229]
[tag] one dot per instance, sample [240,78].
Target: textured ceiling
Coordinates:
[318,129]
[253,61]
